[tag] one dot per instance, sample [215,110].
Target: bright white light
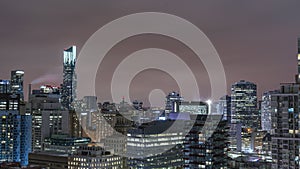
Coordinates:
[162,118]
[209,102]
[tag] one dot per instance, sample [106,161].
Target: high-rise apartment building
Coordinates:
[68,91]
[285,127]
[285,135]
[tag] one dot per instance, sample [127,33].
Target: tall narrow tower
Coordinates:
[68,93]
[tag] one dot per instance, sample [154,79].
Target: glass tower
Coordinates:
[68,93]
[244,104]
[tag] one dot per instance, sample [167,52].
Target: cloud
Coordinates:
[47,78]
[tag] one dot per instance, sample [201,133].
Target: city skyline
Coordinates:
[257,41]
[150,85]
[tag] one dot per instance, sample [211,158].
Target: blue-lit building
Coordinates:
[68,92]
[15,130]
[4,86]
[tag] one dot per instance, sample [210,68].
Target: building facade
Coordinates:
[63,143]
[172,102]
[285,127]
[244,104]
[206,144]
[48,117]
[266,110]
[68,92]
[4,86]
[94,157]
[15,130]
[151,145]
[16,85]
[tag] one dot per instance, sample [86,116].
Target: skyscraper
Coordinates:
[68,93]
[244,104]
[285,135]
[17,83]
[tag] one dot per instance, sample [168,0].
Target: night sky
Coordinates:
[256,40]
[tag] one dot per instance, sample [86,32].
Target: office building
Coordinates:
[49,160]
[94,157]
[244,114]
[116,144]
[172,102]
[68,91]
[63,143]
[244,104]
[206,144]
[84,117]
[16,83]
[151,145]
[48,117]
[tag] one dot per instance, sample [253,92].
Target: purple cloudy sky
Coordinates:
[255,39]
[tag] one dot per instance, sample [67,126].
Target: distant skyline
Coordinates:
[256,41]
